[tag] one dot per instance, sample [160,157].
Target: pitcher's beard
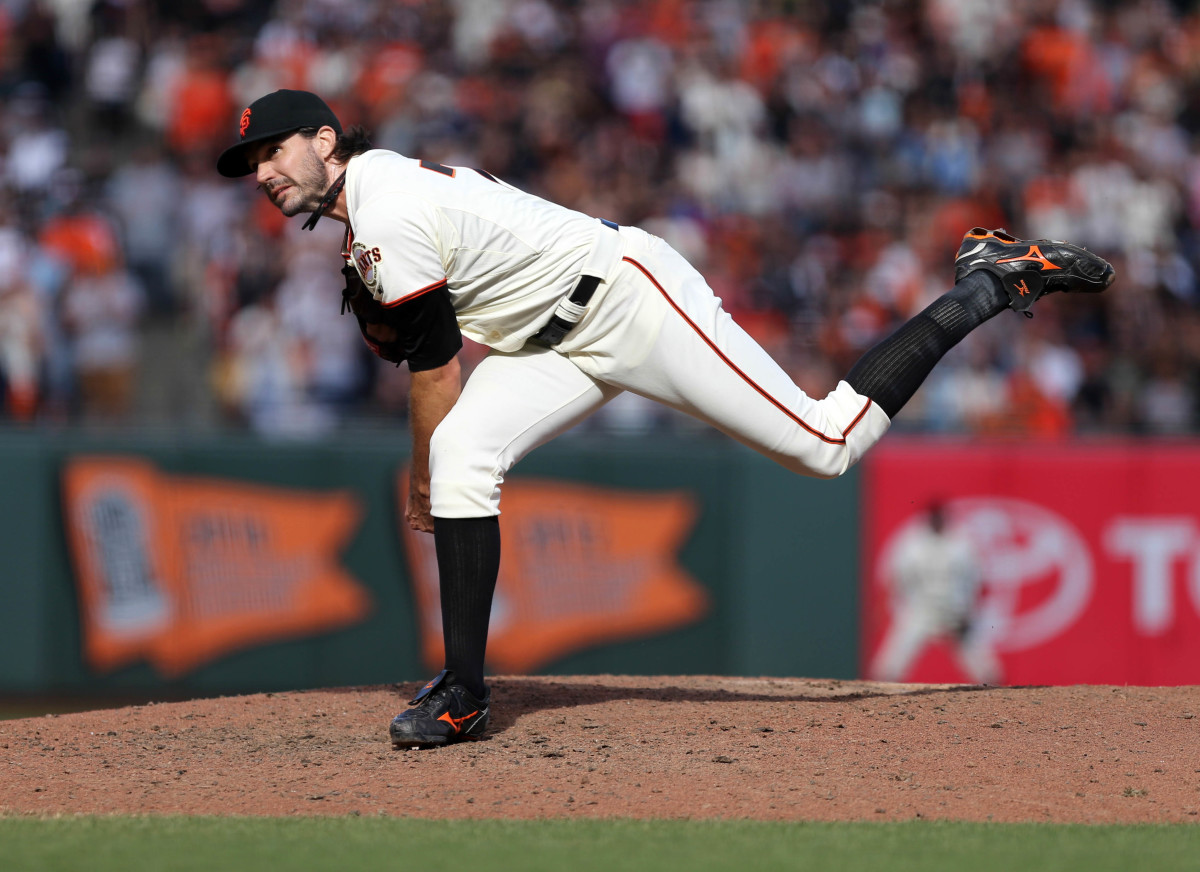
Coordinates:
[307,189]
[306,202]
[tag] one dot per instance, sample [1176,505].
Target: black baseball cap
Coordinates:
[276,114]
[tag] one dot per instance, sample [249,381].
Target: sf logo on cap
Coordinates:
[244,123]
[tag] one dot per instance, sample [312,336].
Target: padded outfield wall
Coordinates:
[175,566]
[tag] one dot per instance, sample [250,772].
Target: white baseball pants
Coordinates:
[654,328]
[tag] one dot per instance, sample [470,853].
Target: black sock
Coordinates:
[891,372]
[468,553]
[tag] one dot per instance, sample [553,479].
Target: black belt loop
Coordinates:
[586,286]
[557,327]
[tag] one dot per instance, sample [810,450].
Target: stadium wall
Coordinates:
[171,565]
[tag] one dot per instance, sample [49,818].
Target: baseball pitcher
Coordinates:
[574,310]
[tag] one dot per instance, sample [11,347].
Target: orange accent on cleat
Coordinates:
[457,723]
[1034,254]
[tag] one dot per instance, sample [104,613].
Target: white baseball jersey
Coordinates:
[505,256]
[936,577]
[939,572]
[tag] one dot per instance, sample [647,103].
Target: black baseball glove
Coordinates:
[423,330]
[378,329]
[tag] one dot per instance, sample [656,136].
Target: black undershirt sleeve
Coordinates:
[427,329]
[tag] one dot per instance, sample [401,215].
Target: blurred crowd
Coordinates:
[818,162]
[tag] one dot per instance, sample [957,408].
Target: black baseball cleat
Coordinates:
[1031,268]
[441,713]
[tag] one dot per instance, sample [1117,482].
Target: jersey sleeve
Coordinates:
[396,250]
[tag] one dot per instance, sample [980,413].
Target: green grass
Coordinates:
[207,843]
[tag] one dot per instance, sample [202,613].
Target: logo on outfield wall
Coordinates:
[180,570]
[582,565]
[1037,570]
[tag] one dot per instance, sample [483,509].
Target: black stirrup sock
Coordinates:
[891,372]
[468,554]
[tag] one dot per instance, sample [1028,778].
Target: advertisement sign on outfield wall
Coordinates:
[161,566]
[583,565]
[182,570]
[1088,561]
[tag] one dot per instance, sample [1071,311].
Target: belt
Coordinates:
[571,308]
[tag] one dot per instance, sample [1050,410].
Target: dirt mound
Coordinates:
[619,746]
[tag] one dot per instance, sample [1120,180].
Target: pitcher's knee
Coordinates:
[843,427]
[861,422]
[464,481]
[829,461]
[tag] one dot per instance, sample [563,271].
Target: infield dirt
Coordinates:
[633,747]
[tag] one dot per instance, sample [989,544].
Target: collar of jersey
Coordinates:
[326,201]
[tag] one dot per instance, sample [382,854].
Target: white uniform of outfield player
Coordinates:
[575,311]
[653,327]
[936,574]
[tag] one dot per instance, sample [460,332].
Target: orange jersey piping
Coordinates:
[762,392]
[436,286]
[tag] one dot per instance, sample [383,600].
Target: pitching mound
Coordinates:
[616,746]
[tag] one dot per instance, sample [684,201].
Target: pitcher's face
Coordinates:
[291,173]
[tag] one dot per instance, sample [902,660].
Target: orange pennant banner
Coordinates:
[181,570]
[581,565]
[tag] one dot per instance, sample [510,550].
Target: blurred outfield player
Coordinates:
[935,573]
[574,310]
